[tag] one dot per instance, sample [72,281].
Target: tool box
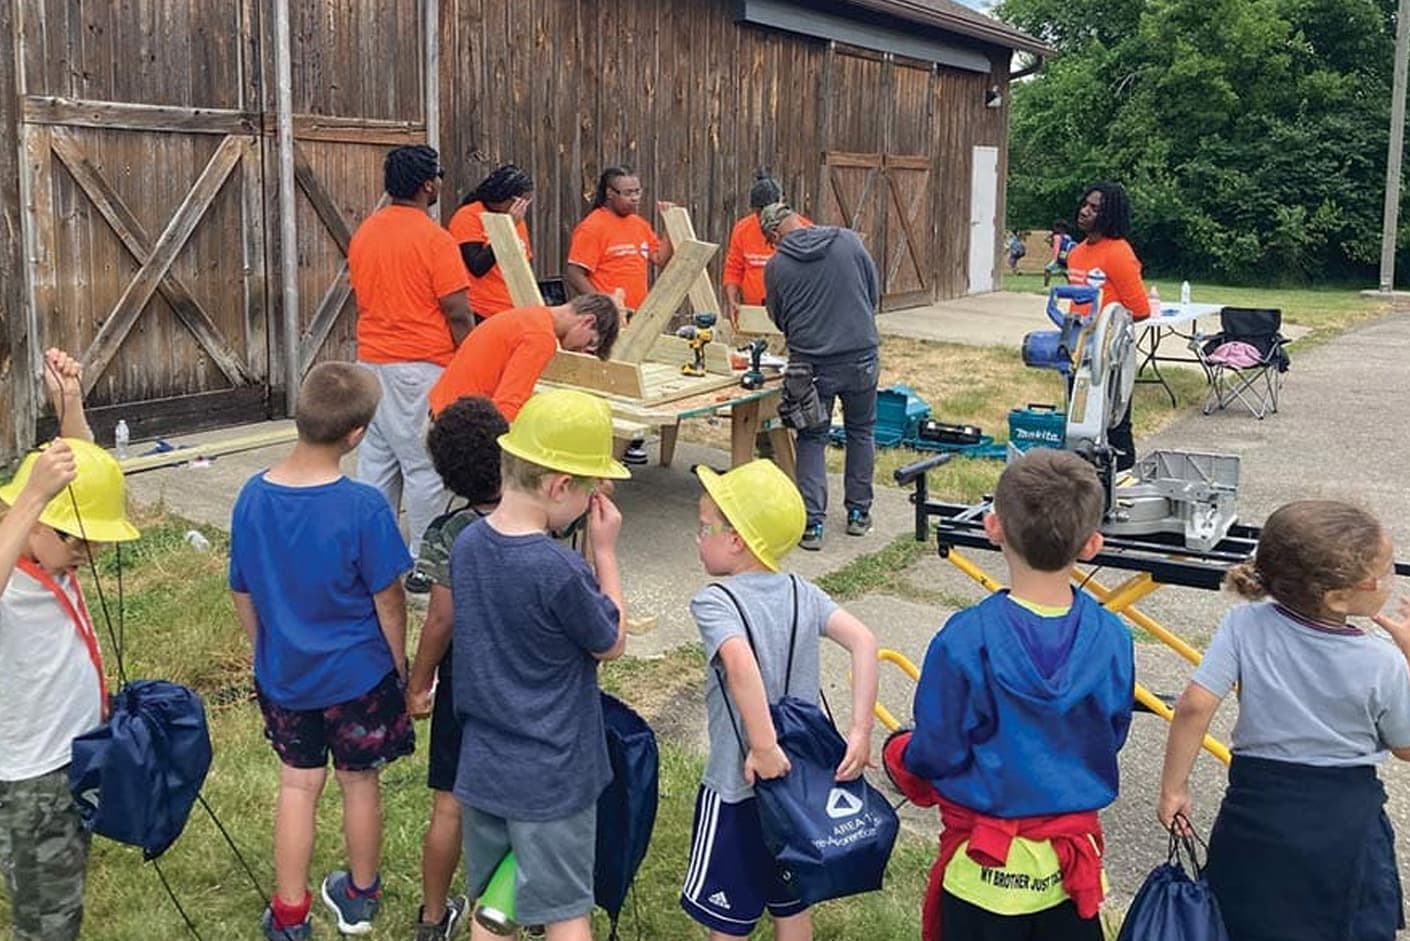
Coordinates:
[1037,426]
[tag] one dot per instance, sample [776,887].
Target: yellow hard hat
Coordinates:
[567,431]
[99,493]
[762,505]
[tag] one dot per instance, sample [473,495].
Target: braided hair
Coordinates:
[407,168]
[506,183]
[609,176]
[1114,217]
[766,190]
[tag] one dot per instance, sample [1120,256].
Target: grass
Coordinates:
[179,624]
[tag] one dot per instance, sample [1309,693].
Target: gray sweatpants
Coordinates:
[393,455]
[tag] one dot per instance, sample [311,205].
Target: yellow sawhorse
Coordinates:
[1120,600]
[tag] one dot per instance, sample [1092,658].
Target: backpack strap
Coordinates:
[753,648]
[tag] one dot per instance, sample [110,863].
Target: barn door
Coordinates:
[144,212]
[855,196]
[906,262]
[346,116]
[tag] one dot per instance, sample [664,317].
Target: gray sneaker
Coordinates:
[445,928]
[858,523]
[812,538]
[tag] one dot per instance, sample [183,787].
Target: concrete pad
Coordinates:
[1002,318]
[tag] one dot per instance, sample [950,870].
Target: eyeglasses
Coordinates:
[710,529]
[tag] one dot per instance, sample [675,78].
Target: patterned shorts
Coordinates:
[363,734]
[43,856]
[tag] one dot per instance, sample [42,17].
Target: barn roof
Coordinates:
[957,18]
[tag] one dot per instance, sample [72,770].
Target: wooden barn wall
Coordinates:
[962,123]
[14,346]
[675,88]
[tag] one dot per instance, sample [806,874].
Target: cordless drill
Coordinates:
[698,335]
[754,377]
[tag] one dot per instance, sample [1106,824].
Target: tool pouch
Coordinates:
[800,407]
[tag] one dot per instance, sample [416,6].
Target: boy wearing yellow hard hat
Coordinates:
[64,501]
[760,627]
[532,621]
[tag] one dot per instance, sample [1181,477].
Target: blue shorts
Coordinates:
[732,877]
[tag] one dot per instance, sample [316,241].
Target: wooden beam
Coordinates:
[164,251]
[431,79]
[324,319]
[688,261]
[513,263]
[41,250]
[134,236]
[589,372]
[702,293]
[755,319]
[235,445]
[291,362]
[347,130]
[78,112]
[18,384]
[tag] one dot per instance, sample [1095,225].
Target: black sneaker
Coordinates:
[418,583]
[445,929]
[635,453]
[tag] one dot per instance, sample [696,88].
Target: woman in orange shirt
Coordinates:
[614,247]
[508,190]
[1104,259]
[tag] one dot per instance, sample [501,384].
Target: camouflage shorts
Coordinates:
[44,857]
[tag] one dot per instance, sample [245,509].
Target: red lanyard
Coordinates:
[81,621]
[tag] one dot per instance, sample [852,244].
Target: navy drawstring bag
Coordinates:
[626,809]
[830,838]
[1174,905]
[136,777]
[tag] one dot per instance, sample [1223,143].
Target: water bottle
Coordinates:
[1184,294]
[120,439]
[496,910]
[1155,301]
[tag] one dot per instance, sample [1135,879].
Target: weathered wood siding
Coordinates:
[695,102]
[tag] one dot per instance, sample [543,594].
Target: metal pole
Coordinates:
[433,84]
[1397,142]
[288,233]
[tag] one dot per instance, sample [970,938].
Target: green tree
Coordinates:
[1251,134]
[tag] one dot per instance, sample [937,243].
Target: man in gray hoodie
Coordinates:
[821,290]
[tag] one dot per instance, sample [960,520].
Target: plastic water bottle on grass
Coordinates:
[120,439]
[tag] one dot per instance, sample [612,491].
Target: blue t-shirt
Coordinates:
[311,558]
[1009,725]
[529,616]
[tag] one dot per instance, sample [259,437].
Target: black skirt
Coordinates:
[1304,853]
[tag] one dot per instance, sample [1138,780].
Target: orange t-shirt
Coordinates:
[1111,265]
[615,251]
[488,294]
[501,359]
[749,251]
[400,263]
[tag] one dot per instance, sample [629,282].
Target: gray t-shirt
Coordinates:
[767,598]
[1308,693]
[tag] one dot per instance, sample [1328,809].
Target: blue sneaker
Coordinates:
[300,932]
[353,910]
[812,538]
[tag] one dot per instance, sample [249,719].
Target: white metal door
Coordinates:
[983,203]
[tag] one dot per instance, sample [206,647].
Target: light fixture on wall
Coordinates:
[993,98]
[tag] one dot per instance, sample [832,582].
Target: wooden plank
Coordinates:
[78,112]
[666,295]
[324,319]
[291,361]
[755,319]
[18,387]
[322,203]
[743,429]
[154,418]
[37,193]
[589,372]
[702,293]
[223,446]
[164,251]
[127,228]
[675,351]
[513,264]
[837,158]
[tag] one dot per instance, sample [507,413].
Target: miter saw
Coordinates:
[1183,493]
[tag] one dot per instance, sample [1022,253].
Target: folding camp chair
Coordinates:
[1245,360]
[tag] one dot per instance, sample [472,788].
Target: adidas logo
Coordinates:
[842,803]
[720,900]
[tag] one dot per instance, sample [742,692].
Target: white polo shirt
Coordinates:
[49,688]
